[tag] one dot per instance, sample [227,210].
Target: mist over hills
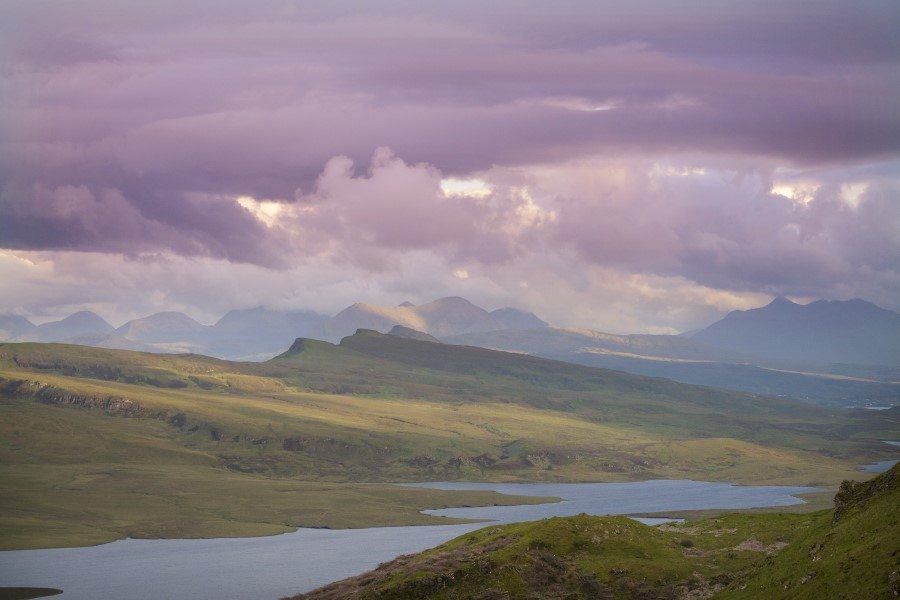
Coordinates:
[260,333]
[160,327]
[12,326]
[763,351]
[827,351]
[687,361]
[76,324]
[443,317]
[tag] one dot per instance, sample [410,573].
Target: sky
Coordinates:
[633,166]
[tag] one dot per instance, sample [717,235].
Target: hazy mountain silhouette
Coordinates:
[80,323]
[864,335]
[412,334]
[260,333]
[852,331]
[12,326]
[250,334]
[162,327]
[442,317]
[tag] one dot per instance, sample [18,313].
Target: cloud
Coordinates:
[54,284]
[395,206]
[252,100]
[723,228]
[730,151]
[633,243]
[70,217]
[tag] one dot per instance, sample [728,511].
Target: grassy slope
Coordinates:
[194,446]
[735,556]
[853,552]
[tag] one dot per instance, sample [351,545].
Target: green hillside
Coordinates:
[99,444]
[851,552]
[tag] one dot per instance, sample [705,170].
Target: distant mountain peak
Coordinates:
[446,316]
[821,332]
[168,316]
[14,325]
[405,304]
[412,334]
[166,326]
[297,347]
[81,322]
[451,301]
[513,318]
[83,316]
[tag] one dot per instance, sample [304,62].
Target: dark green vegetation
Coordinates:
[99,444]
[850,552]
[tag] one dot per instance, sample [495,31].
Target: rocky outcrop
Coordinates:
[49,394]
[856,493]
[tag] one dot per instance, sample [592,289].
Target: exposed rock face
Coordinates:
[857,493]
[49,394]
[422,462]
[294,444]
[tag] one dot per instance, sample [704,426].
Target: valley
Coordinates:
[449,301]
[190,446]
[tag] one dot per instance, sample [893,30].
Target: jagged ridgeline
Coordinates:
[187,445]
[851,552]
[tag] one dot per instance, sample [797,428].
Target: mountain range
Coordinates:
[440,318]
[260,333]
[751,351]
[853,331]
[838,352]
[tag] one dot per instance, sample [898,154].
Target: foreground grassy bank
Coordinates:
[98,444]
[852,551]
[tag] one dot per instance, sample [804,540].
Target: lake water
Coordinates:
[276,566]
[882,465]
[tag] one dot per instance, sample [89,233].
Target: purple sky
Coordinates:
[626,166]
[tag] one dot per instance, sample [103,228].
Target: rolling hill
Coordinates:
[850,552]
[160,445]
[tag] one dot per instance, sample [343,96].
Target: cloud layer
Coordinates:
[735,150]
